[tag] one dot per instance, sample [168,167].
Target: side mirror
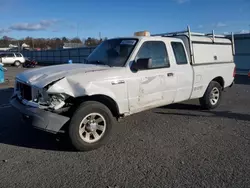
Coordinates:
[142,64]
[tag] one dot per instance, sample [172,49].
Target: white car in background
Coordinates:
[12,58]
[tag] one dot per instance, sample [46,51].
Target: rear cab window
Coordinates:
[179,53]
[18,55]
[156,50]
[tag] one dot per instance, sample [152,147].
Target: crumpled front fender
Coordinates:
[76,89]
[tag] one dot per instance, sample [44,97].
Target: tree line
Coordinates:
[49,43]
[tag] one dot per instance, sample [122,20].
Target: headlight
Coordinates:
[40,96]
[57,101]
[52,101]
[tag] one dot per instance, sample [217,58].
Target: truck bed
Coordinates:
[205,73]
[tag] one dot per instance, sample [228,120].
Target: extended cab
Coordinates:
[123,76]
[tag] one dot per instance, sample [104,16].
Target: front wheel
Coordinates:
[212,96]
[90,126]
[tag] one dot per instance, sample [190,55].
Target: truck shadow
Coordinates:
[18,134]
[182,106]
[35,139]
[5,94]
[14,132]
[197,108]
[28,137]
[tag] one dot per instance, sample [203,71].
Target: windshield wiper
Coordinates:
[97,62]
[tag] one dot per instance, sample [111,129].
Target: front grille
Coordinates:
[25,91]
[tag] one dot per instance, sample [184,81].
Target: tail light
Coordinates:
[234,73]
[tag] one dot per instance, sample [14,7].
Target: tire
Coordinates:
[17,63]
[207,101]
[83,142]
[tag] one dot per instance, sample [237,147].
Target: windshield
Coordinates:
[113,52]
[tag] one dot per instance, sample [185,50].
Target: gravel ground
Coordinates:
[173,146]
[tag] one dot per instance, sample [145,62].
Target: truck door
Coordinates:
[154,86]
[183,72]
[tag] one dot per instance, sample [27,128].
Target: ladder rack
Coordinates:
[190,34]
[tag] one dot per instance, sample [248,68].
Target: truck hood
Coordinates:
[43,76]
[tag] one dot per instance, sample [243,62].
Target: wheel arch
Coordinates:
[205,99]
[104,99]
[220,80]
[17,61]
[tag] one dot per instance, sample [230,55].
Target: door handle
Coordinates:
[170,74]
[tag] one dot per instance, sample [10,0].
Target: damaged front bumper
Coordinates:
[40,119]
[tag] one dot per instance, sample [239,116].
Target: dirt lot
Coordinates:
[173,146]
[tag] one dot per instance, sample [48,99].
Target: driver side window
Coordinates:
[156,50]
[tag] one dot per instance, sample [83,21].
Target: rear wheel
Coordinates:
[212,96]
[17,63]
[90,126]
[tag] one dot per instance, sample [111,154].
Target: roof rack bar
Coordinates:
[186,32]
[233,43]
[171,33]
[190,45]
[213,35]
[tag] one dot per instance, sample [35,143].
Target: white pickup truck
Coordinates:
[123,76]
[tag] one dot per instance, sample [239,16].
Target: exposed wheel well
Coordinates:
[220,80]
[76,102]
[109,102]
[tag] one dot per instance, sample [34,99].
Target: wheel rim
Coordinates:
[17,64]
[92,127]
[214,96]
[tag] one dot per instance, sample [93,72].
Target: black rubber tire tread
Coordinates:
[83,110]
[205,102]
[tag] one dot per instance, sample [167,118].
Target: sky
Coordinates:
[114,18]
